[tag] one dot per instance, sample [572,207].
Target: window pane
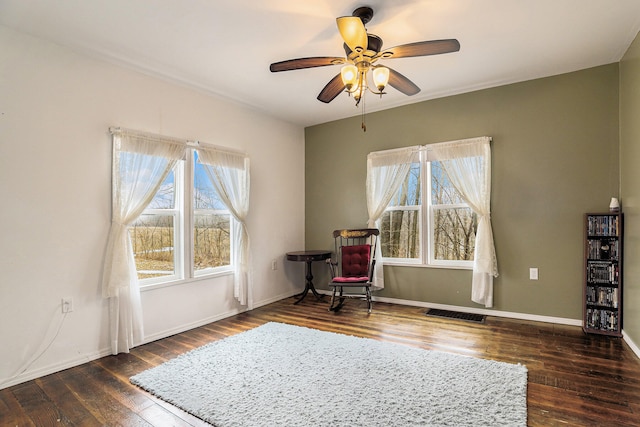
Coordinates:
[454,234]
[409,192]
[442,191]
[400,228]
[211,243]
[400,234]
[134,167]
[152,237]
[204,195]
[166,195]
[212,223]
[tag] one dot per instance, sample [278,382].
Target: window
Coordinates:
[185,230]
[412,197]
[453,223]
[427,221]
[211,225]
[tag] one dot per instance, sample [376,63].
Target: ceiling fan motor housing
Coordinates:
[365,13]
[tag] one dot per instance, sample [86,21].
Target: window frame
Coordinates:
[184,220]
[426,213]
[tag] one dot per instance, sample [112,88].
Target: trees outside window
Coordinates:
[428,222]
[453,223]
[400,230]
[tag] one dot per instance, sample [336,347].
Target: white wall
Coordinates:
[55,185]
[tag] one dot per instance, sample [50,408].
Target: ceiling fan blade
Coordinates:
[300,63]
[332,89]
[431,47]
[353,32]
[401,83]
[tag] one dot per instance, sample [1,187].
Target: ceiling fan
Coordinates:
[363,50]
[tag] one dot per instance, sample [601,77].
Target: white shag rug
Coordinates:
[283,375]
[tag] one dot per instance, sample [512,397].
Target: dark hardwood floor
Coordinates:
[574,379]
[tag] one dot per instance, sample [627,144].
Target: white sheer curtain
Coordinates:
[229,175]
[467,163]
[386,171]
[140,164]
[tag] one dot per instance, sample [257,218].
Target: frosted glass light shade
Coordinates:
[349,74]
[358,91]
[380,77]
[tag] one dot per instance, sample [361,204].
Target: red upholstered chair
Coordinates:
[352,270]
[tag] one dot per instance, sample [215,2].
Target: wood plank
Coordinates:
[97,396]
[11,412]
[37,405]
[72,408]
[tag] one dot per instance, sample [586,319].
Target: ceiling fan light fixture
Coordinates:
[380,78]
[349,74]
[362,52]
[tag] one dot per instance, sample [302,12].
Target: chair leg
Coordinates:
[368,292]
[333,298]
[341,299]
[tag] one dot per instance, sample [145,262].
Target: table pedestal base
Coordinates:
[308,257]
[308,286]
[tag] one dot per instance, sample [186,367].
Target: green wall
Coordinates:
[554,157]
[630,185]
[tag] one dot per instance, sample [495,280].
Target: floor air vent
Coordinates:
[469,317]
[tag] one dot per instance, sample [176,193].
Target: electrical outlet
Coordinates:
[533,274]
[274,264]
[67,305]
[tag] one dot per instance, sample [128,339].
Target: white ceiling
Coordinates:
[225,47]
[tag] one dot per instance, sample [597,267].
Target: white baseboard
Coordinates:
[275,299]
[52,369]
[487,312]
[631,344]
[187,327]
[207,320]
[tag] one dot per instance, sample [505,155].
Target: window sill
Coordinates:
[154,286]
